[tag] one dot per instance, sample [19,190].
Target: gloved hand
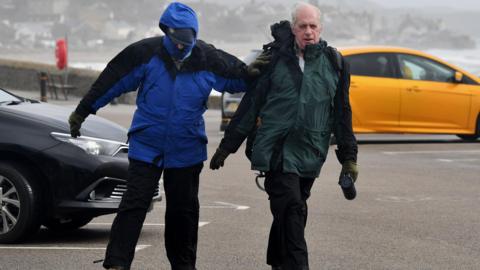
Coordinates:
[350,167]
[254,69]
[75,120]
[218,159]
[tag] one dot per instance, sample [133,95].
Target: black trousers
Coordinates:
[181,217]
[288,194]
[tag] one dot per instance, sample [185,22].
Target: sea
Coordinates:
[468,60]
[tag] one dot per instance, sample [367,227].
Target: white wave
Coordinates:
[466,59]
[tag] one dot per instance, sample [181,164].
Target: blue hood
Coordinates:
[178,15]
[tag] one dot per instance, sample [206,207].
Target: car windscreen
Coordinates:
[251,56]
[6,98]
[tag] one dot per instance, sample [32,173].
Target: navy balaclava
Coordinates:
[174,51]
[178,16]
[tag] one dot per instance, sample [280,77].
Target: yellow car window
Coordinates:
[420,68]
[371,64]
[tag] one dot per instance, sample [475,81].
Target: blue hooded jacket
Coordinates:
[167,129]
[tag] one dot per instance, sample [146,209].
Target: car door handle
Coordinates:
[353,85]
[413,89]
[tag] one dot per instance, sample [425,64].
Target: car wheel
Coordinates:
[20,202]
[471,137]
[61,225]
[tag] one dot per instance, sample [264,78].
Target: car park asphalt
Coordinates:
[417,207]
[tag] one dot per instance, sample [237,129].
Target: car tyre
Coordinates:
[20,202]
[62,225]
[471,137]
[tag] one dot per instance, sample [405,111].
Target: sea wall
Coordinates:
[23,75]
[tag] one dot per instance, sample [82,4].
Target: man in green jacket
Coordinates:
[298,102]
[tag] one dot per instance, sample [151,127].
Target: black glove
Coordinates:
[218,159]
[75,120]
[255,68]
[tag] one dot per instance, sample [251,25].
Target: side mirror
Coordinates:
[458,77]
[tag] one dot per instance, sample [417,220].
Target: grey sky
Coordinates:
[464,5]
[457,4]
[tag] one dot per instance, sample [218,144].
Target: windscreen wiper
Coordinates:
[11,102]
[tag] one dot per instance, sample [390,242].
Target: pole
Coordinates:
[43,86]
[65,76]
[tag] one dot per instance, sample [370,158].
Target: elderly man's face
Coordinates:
[307,27]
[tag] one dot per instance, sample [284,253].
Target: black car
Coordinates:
[49,178]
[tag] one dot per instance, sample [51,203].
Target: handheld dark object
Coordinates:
[348,187]
[257,180]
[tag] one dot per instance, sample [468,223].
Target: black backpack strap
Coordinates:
[336,58]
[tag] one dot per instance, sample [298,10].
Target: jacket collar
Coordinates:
[315,50]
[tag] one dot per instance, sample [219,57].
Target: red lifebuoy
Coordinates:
[61,53]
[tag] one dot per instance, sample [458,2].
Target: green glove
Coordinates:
[75,120]
[218,159]
[350,167]
[255,68]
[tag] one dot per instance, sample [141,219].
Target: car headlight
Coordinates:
[93,146]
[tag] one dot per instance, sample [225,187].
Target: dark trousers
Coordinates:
[181,217]
[288,194]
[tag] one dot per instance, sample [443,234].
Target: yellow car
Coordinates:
[398,90]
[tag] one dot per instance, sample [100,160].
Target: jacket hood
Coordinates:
[282,31]
[178,15]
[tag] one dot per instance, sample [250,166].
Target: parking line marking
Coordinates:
[432,152]
[200,224]
[236,206]
[137,248]
[457,160]
[221,205]
[399,199]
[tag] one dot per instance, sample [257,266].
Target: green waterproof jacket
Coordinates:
[291,114]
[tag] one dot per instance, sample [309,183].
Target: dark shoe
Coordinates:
[116,268]
[276,268]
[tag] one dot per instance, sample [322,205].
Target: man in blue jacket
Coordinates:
[174,75]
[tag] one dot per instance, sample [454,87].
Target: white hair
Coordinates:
[299,5]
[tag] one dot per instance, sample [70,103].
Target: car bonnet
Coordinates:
[57,118]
